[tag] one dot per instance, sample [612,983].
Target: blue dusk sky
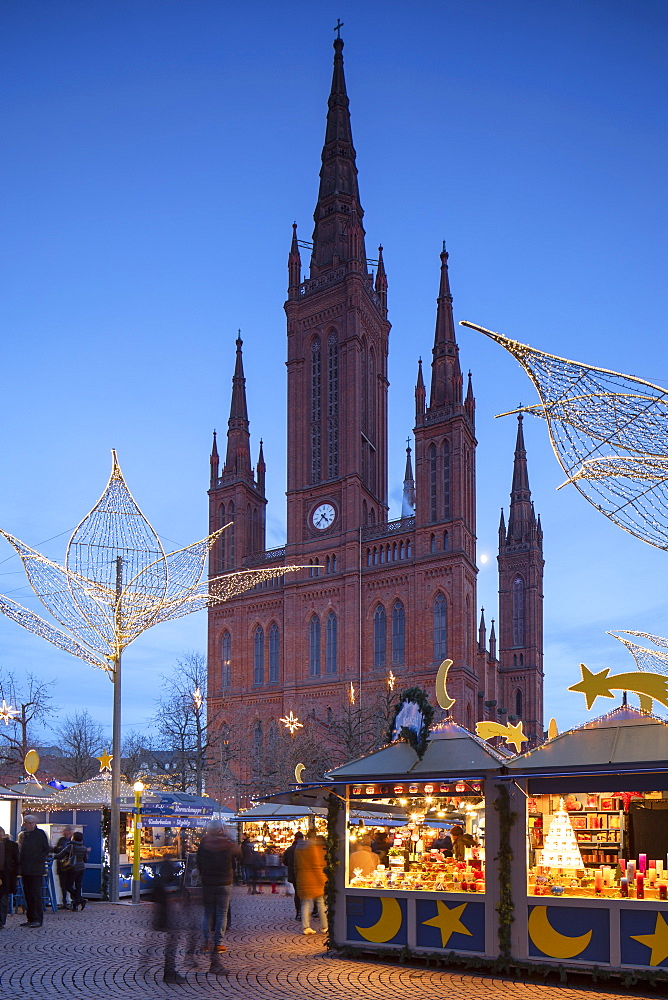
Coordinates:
[154,156]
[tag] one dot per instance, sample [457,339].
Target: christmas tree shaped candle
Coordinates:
[561,847]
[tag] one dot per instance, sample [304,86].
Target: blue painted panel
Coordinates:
[447,924]
[652,926]
[570,933]
[376,920]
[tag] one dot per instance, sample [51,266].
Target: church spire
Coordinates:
[381,283]
[420,394]
[238,438]
[408,503]
[214,461]
[446,375]
[521,517]
[294,266]
[338,236]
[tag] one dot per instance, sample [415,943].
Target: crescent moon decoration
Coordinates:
[608,432]
[299,770]
[552,729]
[442,696]
[31,761]
[388,924]
[551,942]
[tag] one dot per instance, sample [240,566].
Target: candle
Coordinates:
[622,864]
[598,881]
[640,886]
[663,890]
[624,886]
[659,865]
[642,863]
[651,875]
[631,871]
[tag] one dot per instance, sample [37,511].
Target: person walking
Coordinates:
[63,873]
[33,853]
[73,856]
[310,875]
[9,870]
[247,851]
[164,892]
[215,856]
[288,859]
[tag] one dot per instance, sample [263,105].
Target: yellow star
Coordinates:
[448,921]
[592,685]
[105,761]
[657,942]
[515,735]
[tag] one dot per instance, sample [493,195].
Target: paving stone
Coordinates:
[110,952]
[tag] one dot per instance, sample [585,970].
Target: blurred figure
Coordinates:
[215,857]
[363,857]
[63,876]
[33,852]
[311,879]
[73,856]
[380,845]
[247,851]
[288,859]
[9,870]
[166,916]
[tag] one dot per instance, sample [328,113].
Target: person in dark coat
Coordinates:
[75,854]
[460,841]
[63,873]
[166,918]
[288,859]
[215,861]
[9,870]
[32,860]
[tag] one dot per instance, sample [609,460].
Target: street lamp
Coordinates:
[138,789]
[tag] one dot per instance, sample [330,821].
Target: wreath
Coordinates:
[417,737]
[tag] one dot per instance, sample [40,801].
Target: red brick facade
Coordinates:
[381,596]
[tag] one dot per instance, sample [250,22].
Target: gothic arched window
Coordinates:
[432,543]
[230,536]
[258,747]
[314,647]
[518,704]
[221,541]
[446,542]
[518,611]
[226,659]
[316,411]
[440,628]
[433,486]
[379,637]
[258,656]
[332,407]
[398,634]
[445,479]
[274,653]
[330,643]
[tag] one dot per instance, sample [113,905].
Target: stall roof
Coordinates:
[32,791]
[623,741]
[451,751]
[277,812]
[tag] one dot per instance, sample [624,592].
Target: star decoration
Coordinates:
[656,942]
[292,723]
[391,681]
[351,694]
[105,761]
[601,685]
[448,921]
[7,713]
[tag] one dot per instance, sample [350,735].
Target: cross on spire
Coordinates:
[337,27]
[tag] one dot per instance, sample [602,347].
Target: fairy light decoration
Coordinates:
[608,432]
[116,583]
[292,723]
[7,713]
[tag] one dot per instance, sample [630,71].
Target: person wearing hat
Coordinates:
[32,859]
[460,841]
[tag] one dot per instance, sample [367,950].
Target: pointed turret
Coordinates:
[214,461]
[492,642]
[338,236]
[238,458]
[294,266]
[446,375]
[261,470]
[381,283]
[408,503]
[420,394]
[521,517]
[469,402]
[482,631]
[502,529]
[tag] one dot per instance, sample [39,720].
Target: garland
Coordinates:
[332,862]
[504,858]
[106,833]
[419,697]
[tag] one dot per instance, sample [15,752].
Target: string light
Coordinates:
[391,681]
[198,699]
[351,694]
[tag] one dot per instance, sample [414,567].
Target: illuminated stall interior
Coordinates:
[597,809]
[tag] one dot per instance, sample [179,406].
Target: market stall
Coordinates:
[592,843]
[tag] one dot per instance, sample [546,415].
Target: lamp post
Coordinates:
[138,789]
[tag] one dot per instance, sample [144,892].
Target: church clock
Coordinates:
[323,516]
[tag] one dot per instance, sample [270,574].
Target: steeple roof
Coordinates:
[408,502]
[446,375]
[338,209]
[521,517]
[238,458]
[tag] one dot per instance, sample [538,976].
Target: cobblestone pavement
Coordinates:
[110,952]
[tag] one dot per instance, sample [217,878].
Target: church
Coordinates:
[379,603]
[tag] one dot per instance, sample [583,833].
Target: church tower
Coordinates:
[521,602]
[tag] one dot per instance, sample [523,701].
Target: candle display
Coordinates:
[624,887]
[640,886]
[642,863]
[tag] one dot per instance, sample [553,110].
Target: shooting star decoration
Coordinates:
[513,735]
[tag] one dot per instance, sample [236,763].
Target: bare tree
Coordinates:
[82,739]
[182,725]
[133,753]
[33,700]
